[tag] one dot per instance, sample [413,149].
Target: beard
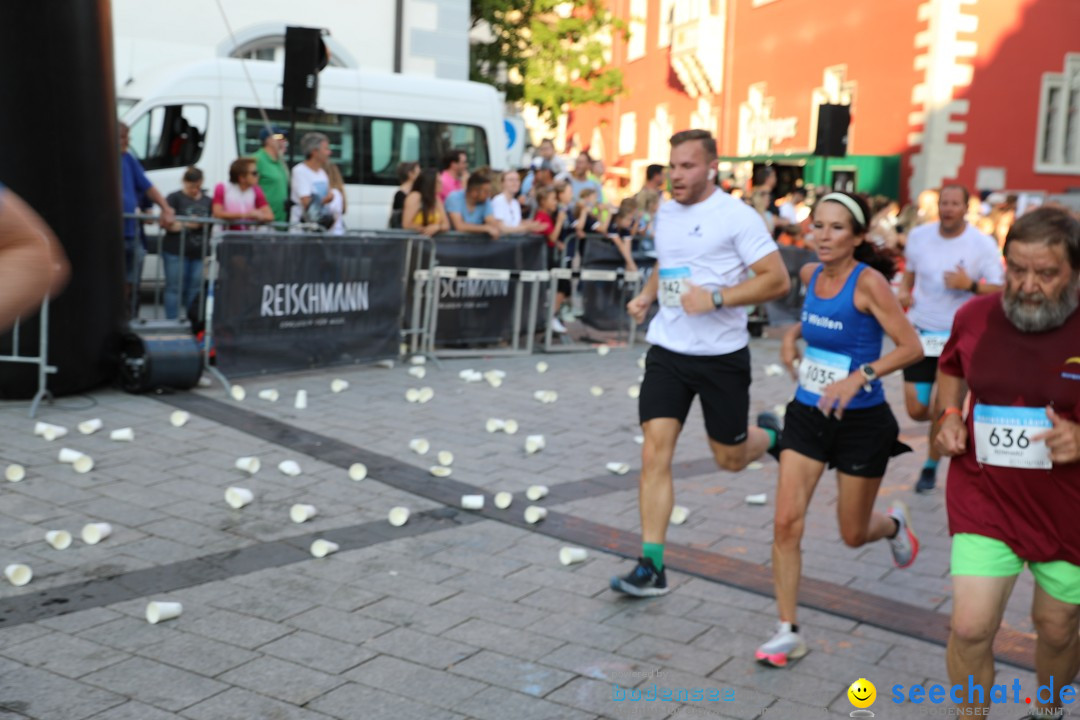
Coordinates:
[1034,312]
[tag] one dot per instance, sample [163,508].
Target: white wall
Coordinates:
[150,34]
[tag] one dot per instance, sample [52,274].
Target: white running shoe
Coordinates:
[783,646]
[905,546]
[557,326]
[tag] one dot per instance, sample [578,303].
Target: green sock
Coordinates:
[772,437]
[655,552]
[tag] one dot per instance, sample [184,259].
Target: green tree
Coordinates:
[548,53]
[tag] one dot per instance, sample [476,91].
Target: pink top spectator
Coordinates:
[449,184]
[235,200]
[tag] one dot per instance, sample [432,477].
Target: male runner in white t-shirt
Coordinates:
[707,242]
[948,263]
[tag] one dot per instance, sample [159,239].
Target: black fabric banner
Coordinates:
[291,302]
[476,311]
[604,302]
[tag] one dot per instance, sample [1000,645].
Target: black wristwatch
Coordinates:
[718,299]
[869,375]
[974,287]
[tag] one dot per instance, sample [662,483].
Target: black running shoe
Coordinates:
[927,480]
[643,581]
[771,421]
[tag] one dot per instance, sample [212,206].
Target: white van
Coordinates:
[208,115]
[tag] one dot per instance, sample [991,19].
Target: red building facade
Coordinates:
[983,92]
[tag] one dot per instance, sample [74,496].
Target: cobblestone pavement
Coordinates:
[453,615]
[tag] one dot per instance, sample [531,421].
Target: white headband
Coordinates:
[850,204]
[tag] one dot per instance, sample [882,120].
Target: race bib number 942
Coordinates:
[821,368]
[673,283]
[1003,437]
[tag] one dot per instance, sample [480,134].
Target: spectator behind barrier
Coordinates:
[551,219]
[470,209]
[133,184]
[507,209]
[241,198]
[543,177]
[273,173]
[545,158]
[580,178]
[423,210]
[183,272]
[623,231]
[407,173]
[336,201]
[455,166]
[310,184]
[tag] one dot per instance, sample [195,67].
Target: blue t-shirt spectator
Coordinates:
[455,202]
[133,183]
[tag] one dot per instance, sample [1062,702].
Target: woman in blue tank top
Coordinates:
[839,417]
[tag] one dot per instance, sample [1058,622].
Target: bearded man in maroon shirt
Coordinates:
[1014,480]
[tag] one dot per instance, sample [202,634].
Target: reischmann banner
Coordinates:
[291,302]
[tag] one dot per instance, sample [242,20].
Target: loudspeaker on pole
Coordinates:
[832,130]
[305,56]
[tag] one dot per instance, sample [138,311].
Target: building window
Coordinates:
[635,47]
[1058,139]
[627,133]
[667,15]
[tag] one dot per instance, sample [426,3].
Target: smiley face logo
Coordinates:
[862,693]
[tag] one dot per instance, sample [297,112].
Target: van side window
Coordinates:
[341,129]
[169,136]
[387,142]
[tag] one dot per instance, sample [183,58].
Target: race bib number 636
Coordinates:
[1003,437]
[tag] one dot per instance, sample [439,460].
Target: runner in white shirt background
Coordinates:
[707,244]
[948,263]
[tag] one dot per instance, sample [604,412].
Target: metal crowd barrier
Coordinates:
[41,359]
[630,279]
[522,277]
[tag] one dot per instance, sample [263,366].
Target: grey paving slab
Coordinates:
[63,654]
[377,704]
[318,652]
[350,627]
[518,643]
[598,697]
[429,619]
[435,652]
[415,681]
[43,695]
[235,628]
[134,710]
[239,704]
[197,653]
[283,680]
[498,703]
[511,673]
[154,683]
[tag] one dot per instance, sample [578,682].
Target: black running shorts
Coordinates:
[860,443]
[924,371]
[723,382]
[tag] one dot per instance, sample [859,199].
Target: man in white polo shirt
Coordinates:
[948,263]
[707,244]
